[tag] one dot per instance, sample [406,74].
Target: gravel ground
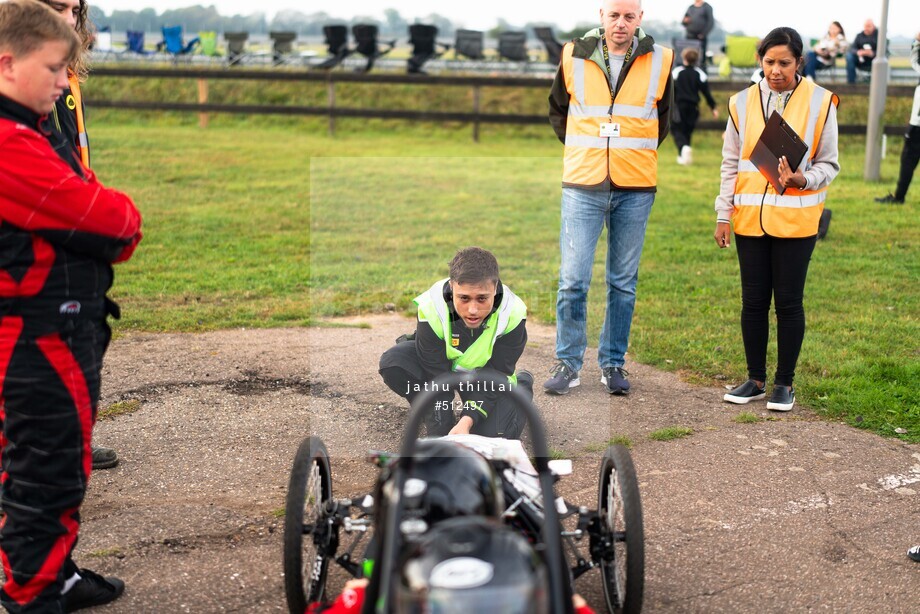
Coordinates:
[789,514]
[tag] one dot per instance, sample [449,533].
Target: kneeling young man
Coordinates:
[467,322]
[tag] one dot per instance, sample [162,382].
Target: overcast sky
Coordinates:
[810,17]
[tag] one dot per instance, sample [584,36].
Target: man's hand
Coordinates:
[723,234]
[462,427]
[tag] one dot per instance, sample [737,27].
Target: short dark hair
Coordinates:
[781,36]
[474,265]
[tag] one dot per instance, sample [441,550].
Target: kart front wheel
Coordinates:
[307,526]
[620,514]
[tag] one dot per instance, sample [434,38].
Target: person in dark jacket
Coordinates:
[698,23]
[467,322]
[910,155]
[689,82]
[60,232]
[862,51]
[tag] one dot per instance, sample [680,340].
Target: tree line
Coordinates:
[199,18]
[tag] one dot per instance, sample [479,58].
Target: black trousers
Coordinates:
[773,268]
[404,374]
[683,127]
[49,383]
[910,156]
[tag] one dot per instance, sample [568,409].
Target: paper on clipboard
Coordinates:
[778,139]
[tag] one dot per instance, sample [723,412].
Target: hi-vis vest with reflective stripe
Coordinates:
[630,160]
[432,308]
[759,209]
[82,140]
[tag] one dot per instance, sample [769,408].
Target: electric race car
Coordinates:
[464,524]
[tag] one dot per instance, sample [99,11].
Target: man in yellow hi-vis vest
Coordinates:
[467,322]
[609,105]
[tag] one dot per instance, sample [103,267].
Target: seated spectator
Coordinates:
[826,50]
[862,51]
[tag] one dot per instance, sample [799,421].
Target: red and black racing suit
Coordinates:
[60,232]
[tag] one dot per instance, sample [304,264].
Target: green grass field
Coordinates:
[265,223]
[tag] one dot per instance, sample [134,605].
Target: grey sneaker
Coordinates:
[615,380]
[563,378]
[104,458]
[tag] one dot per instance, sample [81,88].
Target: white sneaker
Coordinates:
[686,152]
[681,161]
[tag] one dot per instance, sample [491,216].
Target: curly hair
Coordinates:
[86,34]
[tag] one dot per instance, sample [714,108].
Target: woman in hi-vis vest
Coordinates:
[775,233]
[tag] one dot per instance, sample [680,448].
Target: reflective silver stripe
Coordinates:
[600,142]
[627,110]
[504,312]
[586,110]
[591,142]
[746,166]
[790,202]
[436,296]
[578,78]
[84,142]
[814,110]
[631,143]
[657,57]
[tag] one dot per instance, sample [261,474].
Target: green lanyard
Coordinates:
[609,70]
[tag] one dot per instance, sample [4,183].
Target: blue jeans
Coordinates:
[854,62]
[584,215]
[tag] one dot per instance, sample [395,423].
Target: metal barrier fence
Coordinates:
[476,117]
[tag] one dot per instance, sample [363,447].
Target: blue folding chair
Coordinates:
[136,43]
[172,42]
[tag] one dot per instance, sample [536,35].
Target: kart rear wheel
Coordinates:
[620,511]
[307,533]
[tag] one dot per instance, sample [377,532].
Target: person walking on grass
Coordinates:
[689,82]
[610,106]
[60,232]
[775,234]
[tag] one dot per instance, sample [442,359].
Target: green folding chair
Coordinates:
[209,44]
[741,51]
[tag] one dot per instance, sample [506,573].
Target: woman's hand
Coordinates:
[789,178]
[723,234]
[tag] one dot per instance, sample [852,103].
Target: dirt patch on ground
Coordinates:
[779,515]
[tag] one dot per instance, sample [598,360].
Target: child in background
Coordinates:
[689,82]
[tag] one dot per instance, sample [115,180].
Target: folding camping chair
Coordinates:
[208,47]
[172,42]
[136,43]
[513,46]
[102,44]
[423,39]
[741,52]
[236,47]
[337,45]
[366,44]
[469,44]
[686,43]
[282,46]
[553,47]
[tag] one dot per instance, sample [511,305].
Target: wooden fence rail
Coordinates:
[475,116]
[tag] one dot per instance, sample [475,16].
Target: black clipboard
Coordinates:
[778,139]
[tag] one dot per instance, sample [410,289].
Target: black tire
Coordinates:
[620,511]
[306,562]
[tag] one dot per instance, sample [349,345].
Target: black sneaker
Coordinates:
[914,553]
[745,393]
[563,378]
[782,399]
[890,199]
[91,590]
[615,380]
[104,458]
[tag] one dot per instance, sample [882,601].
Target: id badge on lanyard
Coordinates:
[610,130]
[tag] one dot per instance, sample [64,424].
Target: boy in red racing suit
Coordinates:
[60,232]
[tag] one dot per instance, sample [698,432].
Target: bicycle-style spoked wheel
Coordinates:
[620,510]
[307,531]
